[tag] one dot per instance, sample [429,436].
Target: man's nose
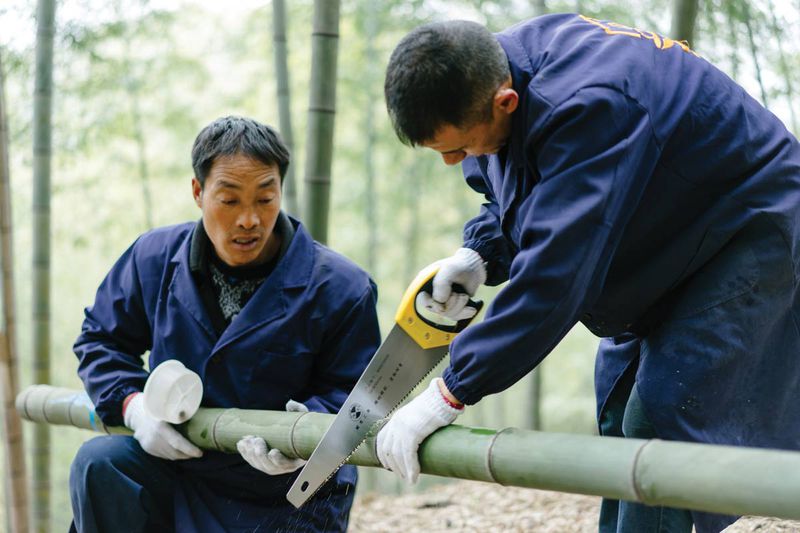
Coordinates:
[248,219]
[454,158]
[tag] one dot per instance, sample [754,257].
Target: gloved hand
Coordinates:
[399,439]
[155,436]
[272,462]
[465,267]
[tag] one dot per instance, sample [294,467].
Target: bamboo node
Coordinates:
[489,462]
[634,470]
[291,434]
[214,430]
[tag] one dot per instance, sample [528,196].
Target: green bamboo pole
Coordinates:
[369,16]
[684,17]
[281,53]
[16,486]
[321,113]
[42,120]
[721,479]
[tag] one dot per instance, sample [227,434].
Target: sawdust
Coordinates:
[482,507]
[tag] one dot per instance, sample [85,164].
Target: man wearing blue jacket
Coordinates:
[632,186]
[267,317]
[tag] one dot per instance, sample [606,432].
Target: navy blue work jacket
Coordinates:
[306,334]
[633,166]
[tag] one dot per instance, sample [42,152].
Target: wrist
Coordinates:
[126,402]
[448,397]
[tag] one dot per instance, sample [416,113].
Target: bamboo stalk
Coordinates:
[16,488]
[42,150]
[684,17]
[281,53]
[321,114]
[720,479]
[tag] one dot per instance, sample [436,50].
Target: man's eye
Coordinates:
[265,200]
[228,201]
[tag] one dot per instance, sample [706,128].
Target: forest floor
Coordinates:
[483,507]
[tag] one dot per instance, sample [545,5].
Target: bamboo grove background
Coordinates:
[105,156]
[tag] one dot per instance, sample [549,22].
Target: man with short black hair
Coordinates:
[267,317]
[631,186]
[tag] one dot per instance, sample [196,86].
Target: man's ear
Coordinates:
[197,192]
[506,99]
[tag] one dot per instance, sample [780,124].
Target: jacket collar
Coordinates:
[294,268]
[522,72]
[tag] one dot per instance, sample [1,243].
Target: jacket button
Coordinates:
[216,359]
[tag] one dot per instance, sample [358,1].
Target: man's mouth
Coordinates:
[245,243]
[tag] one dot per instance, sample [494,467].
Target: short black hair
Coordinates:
[443,73]
[238,135]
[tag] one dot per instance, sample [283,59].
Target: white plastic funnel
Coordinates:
[172,392]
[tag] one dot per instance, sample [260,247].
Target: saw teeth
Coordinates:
[376,423]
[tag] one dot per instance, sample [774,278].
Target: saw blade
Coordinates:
[398,366]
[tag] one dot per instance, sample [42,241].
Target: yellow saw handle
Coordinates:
[426,333]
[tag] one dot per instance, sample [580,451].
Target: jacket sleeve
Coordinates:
[114,335]
[595,154]
[483,233]
[348,348]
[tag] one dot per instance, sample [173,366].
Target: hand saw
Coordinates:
[414,346]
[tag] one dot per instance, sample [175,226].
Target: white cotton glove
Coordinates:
[155,436]
[399,439]
[254,450]
[465,267]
